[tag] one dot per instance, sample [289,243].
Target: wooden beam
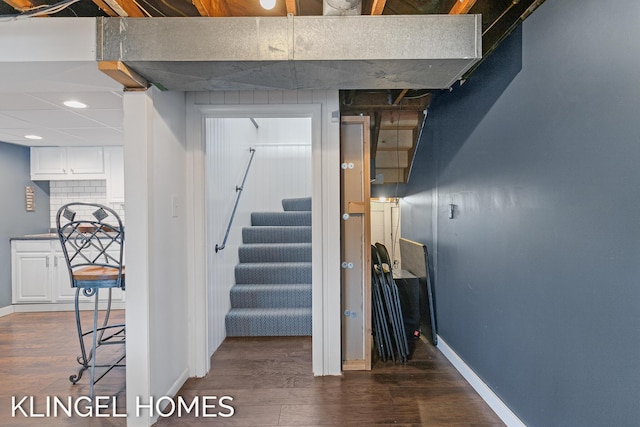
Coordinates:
[212,7]
[119,72]
[105,8]
[461,7]
[400,97]
[125,8]
[292,7]
[378,6]
[21,5]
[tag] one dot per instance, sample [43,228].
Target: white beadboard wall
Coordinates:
[281,167]
[89,191]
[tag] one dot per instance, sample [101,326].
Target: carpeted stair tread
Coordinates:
[268,322]
[281,272]
[271,295]
[282,234]
[275,252]
[298,204]
[280,218]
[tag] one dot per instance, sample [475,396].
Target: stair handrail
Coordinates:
[235,206]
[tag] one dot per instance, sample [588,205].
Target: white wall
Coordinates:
[227,152]
[156,306]
[282,164]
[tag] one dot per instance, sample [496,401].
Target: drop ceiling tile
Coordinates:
[94,100]
[97,136]
[109,118]
[11,122]
[23,101]
[55,119]
[50,137]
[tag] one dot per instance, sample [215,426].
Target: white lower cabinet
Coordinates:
[39,274]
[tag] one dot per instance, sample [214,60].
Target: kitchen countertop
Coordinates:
[41,236]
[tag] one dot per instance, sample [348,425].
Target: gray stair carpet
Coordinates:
[302,204]
[272,293]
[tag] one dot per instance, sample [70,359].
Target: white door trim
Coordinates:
[325,234]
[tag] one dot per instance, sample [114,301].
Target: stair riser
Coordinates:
[276,219]
[254,297]
[276,273]
[276,235]
[291,252]
[302,204]
[247,324]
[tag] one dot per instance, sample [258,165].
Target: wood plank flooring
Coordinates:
[269,379]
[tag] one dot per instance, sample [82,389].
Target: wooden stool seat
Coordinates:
[97,276]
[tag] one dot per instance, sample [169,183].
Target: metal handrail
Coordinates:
[235,206]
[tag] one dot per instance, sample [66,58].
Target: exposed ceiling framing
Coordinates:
[397,114]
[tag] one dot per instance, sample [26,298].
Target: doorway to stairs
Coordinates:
[209,301]
[258,188]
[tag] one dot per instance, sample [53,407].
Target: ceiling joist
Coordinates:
[105,8]
[378,6]
[125,8]
[292,7]
[213,8]
[461,7]
[21,5]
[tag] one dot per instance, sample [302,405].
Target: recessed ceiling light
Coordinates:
[33,136]
[75,104]
[268,4]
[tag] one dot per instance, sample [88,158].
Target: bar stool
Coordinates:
[92,239]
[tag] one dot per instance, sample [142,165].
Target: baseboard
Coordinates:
[494,402]
[172,392]
[6,310]
[32,308]
[175,388]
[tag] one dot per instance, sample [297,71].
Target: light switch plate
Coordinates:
[175,206]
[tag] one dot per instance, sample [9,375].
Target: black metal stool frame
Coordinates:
[87,243]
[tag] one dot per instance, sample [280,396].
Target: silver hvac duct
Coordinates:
[341,7]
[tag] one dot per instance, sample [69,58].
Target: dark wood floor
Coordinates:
[269,379]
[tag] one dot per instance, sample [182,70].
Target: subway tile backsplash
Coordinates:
[90,191]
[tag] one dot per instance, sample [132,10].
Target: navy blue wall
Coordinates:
[15,220]
[538,274]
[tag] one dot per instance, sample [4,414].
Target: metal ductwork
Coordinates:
[294,52]
[341,7]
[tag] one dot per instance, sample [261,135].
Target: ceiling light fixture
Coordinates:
[268,4]
[33,136]
[75,104]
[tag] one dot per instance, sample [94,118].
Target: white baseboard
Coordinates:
[32,308]
[494,402]
[6,310]
[175,388]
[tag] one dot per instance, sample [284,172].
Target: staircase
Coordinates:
[272,294]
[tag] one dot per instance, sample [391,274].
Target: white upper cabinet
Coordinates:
[60,163]
[85,160]
[48,161]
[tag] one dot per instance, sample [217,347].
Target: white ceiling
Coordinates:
[31,102]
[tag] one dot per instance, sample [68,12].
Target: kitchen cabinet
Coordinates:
[67,163]
[31,271]
[39,274]
[114,168]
